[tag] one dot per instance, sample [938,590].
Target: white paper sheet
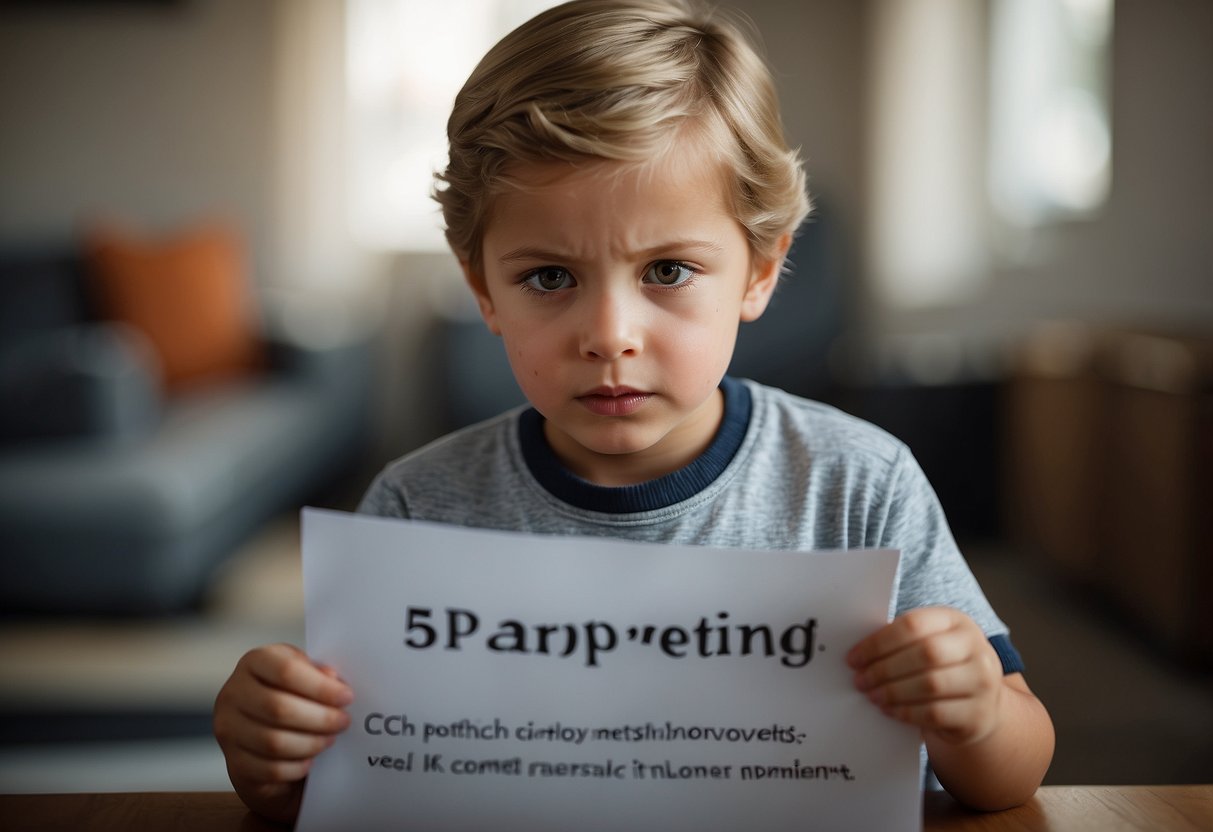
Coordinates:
[515,682]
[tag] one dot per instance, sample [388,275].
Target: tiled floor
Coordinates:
[1123,713]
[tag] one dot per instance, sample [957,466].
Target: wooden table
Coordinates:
[1083,809]
[1055,808]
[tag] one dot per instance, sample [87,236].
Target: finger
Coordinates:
[281,710]
[904,630]
[940,650]
[277,744]
[954,720]
[236,727]
[247,766]
[956,682]
[287,668]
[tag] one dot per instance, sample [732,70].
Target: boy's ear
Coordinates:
[764,277]
[479,288]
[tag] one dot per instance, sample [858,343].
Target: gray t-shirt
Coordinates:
[784,473]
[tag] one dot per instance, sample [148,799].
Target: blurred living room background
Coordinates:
[225,295]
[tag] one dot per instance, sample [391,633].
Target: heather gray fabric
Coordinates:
[807,477]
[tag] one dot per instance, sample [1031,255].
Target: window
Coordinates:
[405,61]
[1050,139]
[941,170]
[927,194]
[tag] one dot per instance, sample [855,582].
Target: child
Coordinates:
[620,197]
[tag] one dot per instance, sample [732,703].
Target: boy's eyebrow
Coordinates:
[534,253]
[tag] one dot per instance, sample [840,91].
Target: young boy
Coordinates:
[621,197]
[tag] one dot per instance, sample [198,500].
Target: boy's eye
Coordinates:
[669,273]
[549,279]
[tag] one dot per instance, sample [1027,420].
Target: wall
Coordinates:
[817,51]
[150,114]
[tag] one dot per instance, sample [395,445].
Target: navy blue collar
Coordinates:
[646,496]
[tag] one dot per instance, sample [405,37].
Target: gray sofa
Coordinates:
[116,499]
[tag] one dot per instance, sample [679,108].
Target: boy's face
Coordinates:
[618,294]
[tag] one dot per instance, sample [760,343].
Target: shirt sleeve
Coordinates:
[383,498]
[932,571]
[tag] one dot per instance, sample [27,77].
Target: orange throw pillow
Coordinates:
[189,294]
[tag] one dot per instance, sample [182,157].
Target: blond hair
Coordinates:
[621,80]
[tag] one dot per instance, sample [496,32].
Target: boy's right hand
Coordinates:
[275,713]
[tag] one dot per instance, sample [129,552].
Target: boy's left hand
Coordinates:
[934,668]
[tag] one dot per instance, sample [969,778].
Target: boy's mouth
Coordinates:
[613,401]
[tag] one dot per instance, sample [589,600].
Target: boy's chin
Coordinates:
[613,446]
[628,450]
[619,455]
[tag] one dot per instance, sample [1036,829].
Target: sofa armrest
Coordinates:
[300,358]
[315,338]
[98,381]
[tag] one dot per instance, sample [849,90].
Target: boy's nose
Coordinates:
[610,328]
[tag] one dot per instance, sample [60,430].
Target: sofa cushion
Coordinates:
[89,380]
[188,293]
[101,527]
[41,290]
